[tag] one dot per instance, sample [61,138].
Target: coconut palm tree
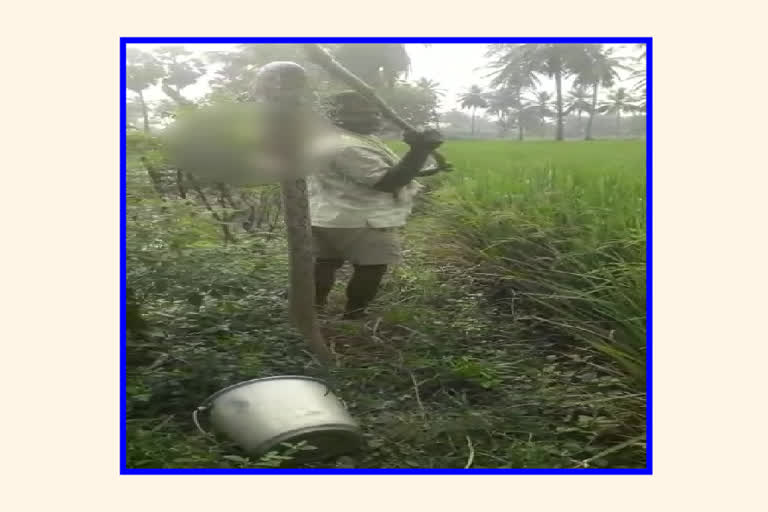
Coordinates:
[502,103]
[639,75]
[510,67]
[618,101]
[517,75]
[556,61]
[552,60]
[473,99]
[541,107]
[431,86]
[435,92]
[598,67]
[577,101]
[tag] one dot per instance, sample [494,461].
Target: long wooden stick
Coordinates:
[326,61]
[286,137]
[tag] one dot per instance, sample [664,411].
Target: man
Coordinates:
[360,199]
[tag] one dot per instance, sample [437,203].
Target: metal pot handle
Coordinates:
[197,423]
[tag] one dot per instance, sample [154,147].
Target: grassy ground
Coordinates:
[513,337]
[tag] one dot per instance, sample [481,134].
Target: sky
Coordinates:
[455,67]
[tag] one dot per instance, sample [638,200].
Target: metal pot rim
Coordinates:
[207,401]
[264,446]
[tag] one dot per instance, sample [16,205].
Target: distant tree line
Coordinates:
[514,106]
[517,102]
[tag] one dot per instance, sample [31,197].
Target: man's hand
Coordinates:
[422,144]
[426,140]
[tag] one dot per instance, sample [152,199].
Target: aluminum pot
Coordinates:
[259,414]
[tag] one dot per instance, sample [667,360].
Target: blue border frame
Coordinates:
[648,41]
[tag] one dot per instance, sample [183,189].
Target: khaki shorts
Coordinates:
[359,246]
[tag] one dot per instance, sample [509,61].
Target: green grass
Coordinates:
[516,326]
[562,228]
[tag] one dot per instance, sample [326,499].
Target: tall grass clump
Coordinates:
[558,232]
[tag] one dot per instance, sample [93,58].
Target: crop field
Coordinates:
[513,336]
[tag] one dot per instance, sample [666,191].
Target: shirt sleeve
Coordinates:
[361,165]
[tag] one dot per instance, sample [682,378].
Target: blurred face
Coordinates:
[364,119]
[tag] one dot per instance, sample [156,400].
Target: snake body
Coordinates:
[283,86]
[301,295]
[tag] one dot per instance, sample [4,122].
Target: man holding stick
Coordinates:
[360,199]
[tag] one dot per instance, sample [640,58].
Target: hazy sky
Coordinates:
[455,66]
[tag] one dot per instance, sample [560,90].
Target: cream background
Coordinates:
[60,257]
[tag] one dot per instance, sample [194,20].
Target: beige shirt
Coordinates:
[341,191]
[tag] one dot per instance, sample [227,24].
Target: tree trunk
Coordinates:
[519,101]
[474,109]
[134,321]
[228,237]
[154,175]
[144,112]
[180,184]
[588,135]
[559,104]
[618,123]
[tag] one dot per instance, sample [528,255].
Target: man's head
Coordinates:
[351,111]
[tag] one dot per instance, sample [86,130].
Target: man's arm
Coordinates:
[422,144]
